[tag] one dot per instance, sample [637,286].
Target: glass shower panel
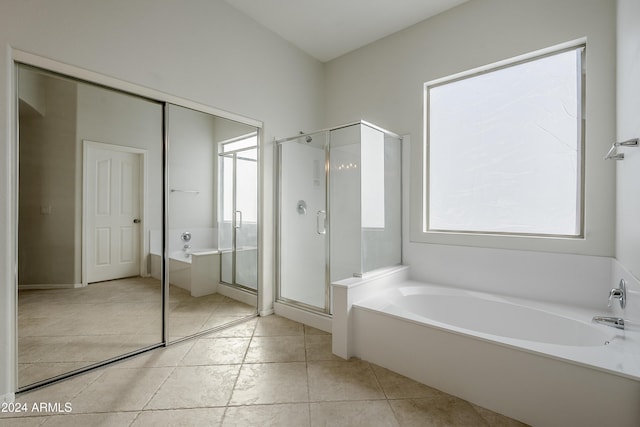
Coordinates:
[345,202]
[303,222]
[381,199]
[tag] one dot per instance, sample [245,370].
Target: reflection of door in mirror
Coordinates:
[85,211]
[199,298]
[112,212]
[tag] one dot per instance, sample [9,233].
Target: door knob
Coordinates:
[136,221]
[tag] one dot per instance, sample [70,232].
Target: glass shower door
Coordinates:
[303,222]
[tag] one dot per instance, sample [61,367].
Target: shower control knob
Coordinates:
[136,221]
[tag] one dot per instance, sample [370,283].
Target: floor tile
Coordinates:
[196,387]
[496,420]
[222,321]
[262,371]
[63,391]
[29,373]
[309,330]
[182,325]
[160,357]
[271,383]
[109,419]
[318,347]
[439,411]
[234,308]
[199,417]
[342,380]
[277,326]
[216,351]
[121,390]
[292,414]
[276,349]
[396,386]
[368,413]
[244,328]
[24,422]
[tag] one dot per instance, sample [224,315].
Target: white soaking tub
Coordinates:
[543,364]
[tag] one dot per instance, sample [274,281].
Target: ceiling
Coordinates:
[326,29]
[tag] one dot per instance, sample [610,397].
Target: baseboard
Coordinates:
[318,321]
[31,287]
[268,312]
[8,398]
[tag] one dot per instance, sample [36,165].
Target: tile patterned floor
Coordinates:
[267,371]
[65,329]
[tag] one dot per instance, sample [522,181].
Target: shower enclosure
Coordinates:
[339,210]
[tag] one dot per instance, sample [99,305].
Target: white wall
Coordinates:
[383,83]
[202,50]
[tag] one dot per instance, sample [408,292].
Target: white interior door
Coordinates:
[112,214]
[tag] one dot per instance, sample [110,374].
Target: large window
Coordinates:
[504,149]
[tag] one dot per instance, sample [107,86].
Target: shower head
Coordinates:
[308,138]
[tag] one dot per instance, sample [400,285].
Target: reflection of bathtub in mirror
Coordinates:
[195,269]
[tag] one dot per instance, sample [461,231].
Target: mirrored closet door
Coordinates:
[89,198]
[122,224]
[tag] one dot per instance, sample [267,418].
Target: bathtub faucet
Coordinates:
[619,293]
[614,322]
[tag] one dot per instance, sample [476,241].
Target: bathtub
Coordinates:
[542,364]
[196,270]
[508,321]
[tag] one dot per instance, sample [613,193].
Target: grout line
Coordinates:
[235,383]
[378,381]
[173,369]
[306,364]
[135,418]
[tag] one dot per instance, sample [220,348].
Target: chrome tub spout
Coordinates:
[614,322]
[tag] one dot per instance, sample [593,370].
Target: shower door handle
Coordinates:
[322,230]
[238,222]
